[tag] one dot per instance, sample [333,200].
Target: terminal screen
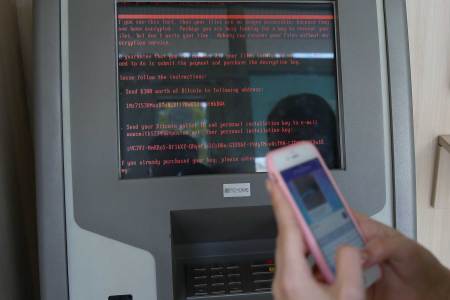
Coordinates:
[210,88]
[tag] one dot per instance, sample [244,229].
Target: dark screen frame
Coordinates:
[340,134]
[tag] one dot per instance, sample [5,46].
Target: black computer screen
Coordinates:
[210,88]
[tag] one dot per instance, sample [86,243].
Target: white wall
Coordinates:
[429,34]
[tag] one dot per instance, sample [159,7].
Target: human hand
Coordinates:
[294,279]
[409,271]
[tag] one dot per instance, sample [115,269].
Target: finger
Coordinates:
[285,217]
[382,249]
[290,255]
[349,274]
[371,229]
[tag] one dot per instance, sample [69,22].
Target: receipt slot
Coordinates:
[153,119]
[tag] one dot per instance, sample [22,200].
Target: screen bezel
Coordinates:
[340,134]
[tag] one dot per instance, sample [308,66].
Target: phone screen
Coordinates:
[321,207]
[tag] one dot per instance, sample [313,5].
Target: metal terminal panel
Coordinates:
[401,117]
[137,212]
[48,137]
[131,220]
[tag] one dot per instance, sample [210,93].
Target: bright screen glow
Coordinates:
[210,88]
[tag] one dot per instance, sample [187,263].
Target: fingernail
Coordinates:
[268,185]
[364,256]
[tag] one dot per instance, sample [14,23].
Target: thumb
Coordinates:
[349,283]
[289,241]
[390,248]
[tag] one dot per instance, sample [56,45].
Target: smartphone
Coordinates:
[321,210]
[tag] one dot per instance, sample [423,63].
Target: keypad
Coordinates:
[230,278]
[262,275]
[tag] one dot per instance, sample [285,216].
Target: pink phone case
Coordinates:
[307,234]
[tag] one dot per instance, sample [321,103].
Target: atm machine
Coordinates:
[153,119]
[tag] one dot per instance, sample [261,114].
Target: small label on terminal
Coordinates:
[235,190]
